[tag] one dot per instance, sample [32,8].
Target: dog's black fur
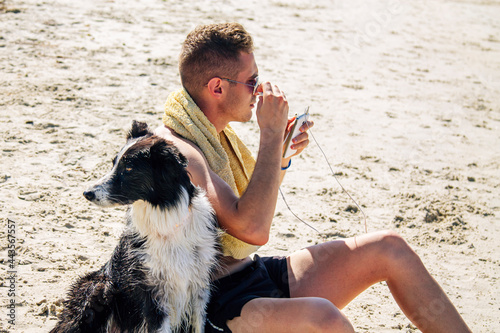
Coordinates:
[120,297]
[118,290]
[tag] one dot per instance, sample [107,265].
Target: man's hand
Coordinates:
[301,141]
[272,110]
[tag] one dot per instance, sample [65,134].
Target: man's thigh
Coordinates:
[275,315]
[338,270]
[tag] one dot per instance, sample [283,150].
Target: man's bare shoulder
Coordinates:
[186,147]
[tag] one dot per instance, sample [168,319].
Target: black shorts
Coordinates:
[264,277]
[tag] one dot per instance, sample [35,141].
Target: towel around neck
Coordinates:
[226,154]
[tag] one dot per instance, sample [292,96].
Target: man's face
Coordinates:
[240,99]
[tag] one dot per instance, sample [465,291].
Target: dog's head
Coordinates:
[147,168]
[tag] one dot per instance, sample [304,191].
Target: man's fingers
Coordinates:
[301,137]
[267,88]
[306,126]
[299,147]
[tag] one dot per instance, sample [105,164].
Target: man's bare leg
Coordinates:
[340,270]
[276,315]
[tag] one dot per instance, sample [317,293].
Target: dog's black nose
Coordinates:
[90,195]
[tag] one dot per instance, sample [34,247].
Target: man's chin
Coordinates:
[244,117]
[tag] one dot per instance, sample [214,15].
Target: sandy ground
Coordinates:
[406,99]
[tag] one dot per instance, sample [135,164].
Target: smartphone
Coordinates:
[299,121]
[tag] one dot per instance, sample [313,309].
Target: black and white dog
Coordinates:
[158,277]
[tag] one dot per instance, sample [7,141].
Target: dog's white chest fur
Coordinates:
[179,253]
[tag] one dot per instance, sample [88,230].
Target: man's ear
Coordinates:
[215,87]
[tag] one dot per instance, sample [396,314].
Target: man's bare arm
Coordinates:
[240,217]
[249,217]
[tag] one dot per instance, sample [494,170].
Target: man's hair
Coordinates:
[212,50]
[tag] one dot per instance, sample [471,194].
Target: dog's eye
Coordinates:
[126,164]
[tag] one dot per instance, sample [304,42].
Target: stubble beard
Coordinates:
[236,110]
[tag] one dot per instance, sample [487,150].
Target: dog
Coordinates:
[158,278]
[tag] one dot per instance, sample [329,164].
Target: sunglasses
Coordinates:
[254,86]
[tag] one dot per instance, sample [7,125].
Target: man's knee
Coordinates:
[393,242]
[323,316]
[395,249]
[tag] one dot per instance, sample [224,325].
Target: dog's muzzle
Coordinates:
[89,195]
[99,194]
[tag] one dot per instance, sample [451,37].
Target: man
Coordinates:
[303,292]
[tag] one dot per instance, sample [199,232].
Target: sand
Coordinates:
[405,96]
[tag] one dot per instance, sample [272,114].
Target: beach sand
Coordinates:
[405,97]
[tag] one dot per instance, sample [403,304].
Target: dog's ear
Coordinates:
[138,129]
[165,149]
[181,158]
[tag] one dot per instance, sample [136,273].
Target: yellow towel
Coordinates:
[226,154]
